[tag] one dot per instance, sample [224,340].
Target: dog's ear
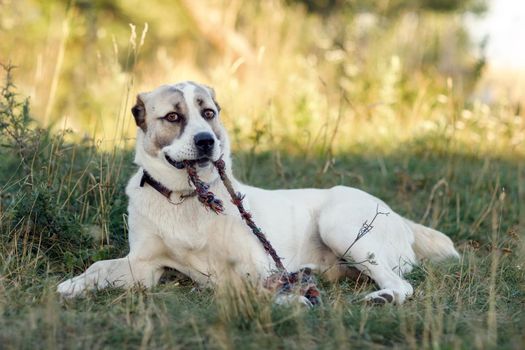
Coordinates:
[211,91]
[139,113]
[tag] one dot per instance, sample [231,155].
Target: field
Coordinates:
[319,104]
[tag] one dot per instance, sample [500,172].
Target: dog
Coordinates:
[314,228]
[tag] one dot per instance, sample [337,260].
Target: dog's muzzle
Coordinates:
[204,145]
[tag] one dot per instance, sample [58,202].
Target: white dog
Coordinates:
[169,227]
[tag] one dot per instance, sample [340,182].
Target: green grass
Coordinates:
[477,302]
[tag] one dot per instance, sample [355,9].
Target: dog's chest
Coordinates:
[195,238]
[186,226]
[182,227]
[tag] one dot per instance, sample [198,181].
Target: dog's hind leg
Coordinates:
[123,272]
[392,286]
[384,253]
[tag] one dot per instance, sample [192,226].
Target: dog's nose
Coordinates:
[204,142]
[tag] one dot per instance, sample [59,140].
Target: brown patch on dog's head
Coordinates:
[161,132]
[202,101]
[139,113]
[166,132]
[211,91]
[202,89]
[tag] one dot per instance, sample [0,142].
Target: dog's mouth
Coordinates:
[201,162]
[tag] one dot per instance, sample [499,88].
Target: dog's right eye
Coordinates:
[173,117]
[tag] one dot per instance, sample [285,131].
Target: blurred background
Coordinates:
[290,74]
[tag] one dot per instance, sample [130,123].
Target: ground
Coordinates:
[476,302]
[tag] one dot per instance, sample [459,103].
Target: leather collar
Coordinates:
[163,190]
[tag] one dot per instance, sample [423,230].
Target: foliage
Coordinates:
[391,8]
[14,118]
[41,214]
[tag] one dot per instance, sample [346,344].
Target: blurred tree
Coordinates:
[391,7]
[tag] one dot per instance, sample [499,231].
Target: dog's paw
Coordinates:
[70,289]
[380,297]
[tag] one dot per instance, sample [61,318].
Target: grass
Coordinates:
[383,106]
[477,302]
[67,209]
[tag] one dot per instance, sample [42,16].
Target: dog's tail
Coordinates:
[431,244]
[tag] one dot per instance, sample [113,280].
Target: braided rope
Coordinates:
[206,197]
[282,281]
[236,199]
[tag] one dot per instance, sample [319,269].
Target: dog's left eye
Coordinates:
[172,117]
[208,114]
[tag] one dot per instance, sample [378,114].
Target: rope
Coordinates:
[206,197]
[282,281]
[236,199]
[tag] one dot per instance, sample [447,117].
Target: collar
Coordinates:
[163,190]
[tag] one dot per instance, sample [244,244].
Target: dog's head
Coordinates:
[176,123]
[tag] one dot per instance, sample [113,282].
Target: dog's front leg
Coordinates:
[123,272]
